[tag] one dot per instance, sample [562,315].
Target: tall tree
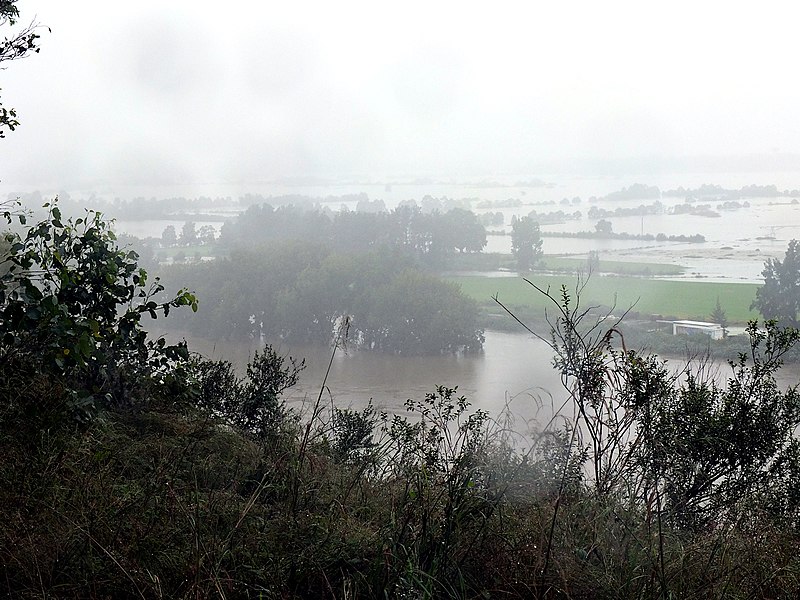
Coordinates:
[168,237]
[463,230]
[779,297]
[188,234]
[526,242]
[719,316]
[604,227]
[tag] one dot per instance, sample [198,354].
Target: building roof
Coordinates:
[697,324]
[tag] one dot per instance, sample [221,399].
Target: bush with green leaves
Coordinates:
[351,435]
[674,454]
[439,455]
[727,454]
[71,305]
[251,404]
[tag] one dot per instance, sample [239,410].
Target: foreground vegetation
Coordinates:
[133,469]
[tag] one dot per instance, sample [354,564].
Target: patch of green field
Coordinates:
[480,261]
[681,299]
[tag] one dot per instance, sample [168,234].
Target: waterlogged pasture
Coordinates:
[612,266]
[681,299]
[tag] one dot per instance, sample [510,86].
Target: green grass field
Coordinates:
[682,299]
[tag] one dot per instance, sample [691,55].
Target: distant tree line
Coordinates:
[656,208]
[637,191]
[603,231]
[717,192]
[696,210]
[427,237]
[303,292]
[556,216]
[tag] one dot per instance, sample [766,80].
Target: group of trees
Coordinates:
[428,237]
[301,291]
[189,236]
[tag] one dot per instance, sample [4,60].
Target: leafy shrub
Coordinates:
[251,404]
[726,452]
[352,434]
[71,304]
[438,454]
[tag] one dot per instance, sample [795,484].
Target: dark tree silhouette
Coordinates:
[779,297]
[526,242]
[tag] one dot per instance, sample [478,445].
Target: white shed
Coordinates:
[713,330]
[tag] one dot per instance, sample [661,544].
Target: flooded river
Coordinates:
[515,369]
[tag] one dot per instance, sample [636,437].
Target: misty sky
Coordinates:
[176,92]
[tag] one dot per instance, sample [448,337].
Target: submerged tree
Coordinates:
[526,243]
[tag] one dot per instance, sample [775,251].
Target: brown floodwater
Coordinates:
[515,370]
